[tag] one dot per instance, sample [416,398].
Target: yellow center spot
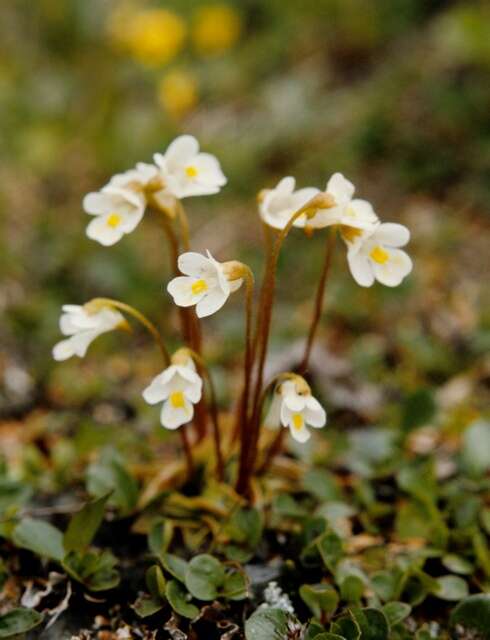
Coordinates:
[177,400]
[379,255]
[114,220]
[349,234]
[190,171]
[297,421]
[199,286]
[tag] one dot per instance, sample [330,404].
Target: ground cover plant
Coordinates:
[234,407]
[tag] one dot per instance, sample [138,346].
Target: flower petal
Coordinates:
[63,350]
[99,230]
[340,188]
[361,269]
[173,418]
[392,272]
[180,288]
[315,414]
[195,264]
[392,234]
[212,302]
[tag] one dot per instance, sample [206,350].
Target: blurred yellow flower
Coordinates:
[178,92]
[216,28]
[152,36]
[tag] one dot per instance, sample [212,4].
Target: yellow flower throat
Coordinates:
[199,286]
[177,400]
[114,220]
[379,255]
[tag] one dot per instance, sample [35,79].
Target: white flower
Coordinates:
[203,284]
[293,406]
[82,328]
[356,214]
[179,387]
[117,211]
[377,256]
[186,172]
[279,204]
[275,597]
[137,178]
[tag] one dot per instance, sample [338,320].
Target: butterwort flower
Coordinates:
[206,283]
[179,387]
[347,211]
[293,406]
[82,327]
[377,255]
[188,172]
[116,212]
[278,205]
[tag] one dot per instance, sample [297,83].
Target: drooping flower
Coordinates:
[205,283]
[351,214]
[188,172]
[377,255]
[83,326]
[117,212]
[294,407]
[179,387]
[278,205]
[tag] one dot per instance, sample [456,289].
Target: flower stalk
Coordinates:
[319,299]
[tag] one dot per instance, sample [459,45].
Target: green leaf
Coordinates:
[176,566]
[177,597]
[108,474]
[320,598]
[204,577]
[235,586]
[327,635]
[322,484]
[476,448]
[19,621]
[418,409]
[330,547]
[457,564]
[84,525]
[146,606]
[351,588]
[372,622]
[160,537]
[155,582]
[40,537]
[346,627]
[95,570]
[473,615]
[270,624]
[314,629]
[245,531]
[387,584]
[451,588]
[396,612]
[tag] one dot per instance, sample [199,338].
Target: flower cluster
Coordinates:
[373,253]
[182,171]
[275,597]
[373,248]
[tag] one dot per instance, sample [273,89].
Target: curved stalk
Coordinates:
[184,226]
[137,315]
[186,446]
[319,298]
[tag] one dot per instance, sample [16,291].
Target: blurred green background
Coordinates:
[393,93]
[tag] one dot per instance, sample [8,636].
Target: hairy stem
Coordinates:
[319,298]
